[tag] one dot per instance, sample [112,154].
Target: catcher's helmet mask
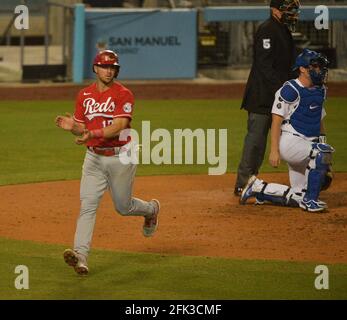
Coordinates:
[316,63]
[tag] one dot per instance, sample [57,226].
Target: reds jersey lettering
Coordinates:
[98,109]
[91,106]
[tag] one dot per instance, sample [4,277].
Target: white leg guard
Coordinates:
[276,193]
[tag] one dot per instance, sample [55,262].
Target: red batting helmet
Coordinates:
[106,58]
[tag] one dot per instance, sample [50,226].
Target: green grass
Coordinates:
[33,149]
[152,276]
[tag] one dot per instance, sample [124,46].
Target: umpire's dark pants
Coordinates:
[254,147]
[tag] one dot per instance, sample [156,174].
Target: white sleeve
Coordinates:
[279,107]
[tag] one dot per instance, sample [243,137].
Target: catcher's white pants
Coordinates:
[98,174]
[296,152]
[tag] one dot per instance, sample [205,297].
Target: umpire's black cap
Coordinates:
[276,3]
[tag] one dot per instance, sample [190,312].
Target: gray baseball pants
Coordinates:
[99,173]
[254,147]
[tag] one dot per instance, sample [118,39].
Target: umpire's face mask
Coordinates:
[290,13]
[290,20]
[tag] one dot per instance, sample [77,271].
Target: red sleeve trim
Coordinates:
[125,115]
[81,121]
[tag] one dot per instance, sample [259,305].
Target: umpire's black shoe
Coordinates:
[237,191]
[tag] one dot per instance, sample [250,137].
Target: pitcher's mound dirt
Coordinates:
[199,216]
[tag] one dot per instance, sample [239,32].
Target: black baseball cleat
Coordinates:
[238,191]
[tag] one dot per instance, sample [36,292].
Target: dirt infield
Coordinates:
[156,90]
[199,216]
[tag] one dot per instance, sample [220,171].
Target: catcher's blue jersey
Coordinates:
[307,116]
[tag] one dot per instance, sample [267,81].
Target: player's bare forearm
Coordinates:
[114,129]
[109,132]
[67,123]
[276,132]
[274,157]
[77,129]
[322,135]
[322,128]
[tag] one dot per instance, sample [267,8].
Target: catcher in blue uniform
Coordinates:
[298,137]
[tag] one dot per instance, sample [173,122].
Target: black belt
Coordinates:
[288,122]
[294,134]
[316,140]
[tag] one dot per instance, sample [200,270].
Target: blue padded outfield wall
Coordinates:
[152,44]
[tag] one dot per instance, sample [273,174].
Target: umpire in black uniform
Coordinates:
[273,58]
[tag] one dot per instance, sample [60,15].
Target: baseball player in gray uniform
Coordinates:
[104,110]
